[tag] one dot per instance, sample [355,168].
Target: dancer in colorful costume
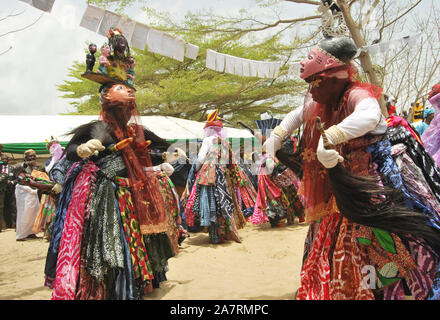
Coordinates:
[218,187]
[110,237]
[421,126]
[49,197]
[277,200]
[361,245]
[431,137]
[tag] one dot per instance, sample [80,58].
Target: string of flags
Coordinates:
[392,44]
[140,35]
[241,67]
[44,5]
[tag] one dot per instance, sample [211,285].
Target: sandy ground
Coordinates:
[266,265]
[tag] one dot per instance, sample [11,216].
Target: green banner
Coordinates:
[40,147]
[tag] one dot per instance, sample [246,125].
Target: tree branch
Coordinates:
[28,26]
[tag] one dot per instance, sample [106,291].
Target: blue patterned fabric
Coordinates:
[205,212]
[381,155]
[391,176]
[125,284]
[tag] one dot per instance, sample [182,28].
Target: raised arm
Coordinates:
[290,123]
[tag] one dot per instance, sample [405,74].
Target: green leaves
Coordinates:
[188,89]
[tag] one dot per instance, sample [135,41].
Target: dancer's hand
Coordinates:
[328,157]
[272,145]
[167,168]
[92,146]
[57,188]
[176,155]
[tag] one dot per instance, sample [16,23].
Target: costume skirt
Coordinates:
[346,260]
[215,206]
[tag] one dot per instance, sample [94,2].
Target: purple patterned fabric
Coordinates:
[414,179]
[419,280]
[431,136]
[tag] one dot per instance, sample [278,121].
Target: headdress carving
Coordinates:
[50,142]
[331,14]
[116,65]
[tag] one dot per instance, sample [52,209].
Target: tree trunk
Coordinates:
[364,57]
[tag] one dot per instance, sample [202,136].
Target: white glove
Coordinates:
[258,135]
[167,168]
[328,158]
[85,150]
[272,145]
[57,188]
[176,155]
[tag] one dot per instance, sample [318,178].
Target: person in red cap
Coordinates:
[219,188]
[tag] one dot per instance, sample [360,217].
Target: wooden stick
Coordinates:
[327,144]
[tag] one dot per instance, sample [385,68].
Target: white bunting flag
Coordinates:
[154,41]
[229,63]
[246,68]
[263,69]
[238,66]
[140,35]
[277,69]
[191,51]
[110,20]
[220,62]
[44,5]
[127,27]
[172,47]
[92,18]
[253,68]
[210,59]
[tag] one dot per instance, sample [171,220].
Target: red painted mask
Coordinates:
[317,61]
[118,94]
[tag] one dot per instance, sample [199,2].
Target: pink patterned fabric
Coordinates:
[419,280]
[264,182]
[67,270]
[189,214]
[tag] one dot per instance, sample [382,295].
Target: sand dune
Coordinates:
[266,265]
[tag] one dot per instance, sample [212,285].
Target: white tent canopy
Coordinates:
[38,128]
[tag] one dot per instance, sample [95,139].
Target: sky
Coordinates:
[35,60]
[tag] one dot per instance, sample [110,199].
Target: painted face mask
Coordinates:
[317,61]
[118,94]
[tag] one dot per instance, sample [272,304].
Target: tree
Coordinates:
[188,89]
[359,17]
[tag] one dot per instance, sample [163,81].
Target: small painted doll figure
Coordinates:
[130,71]
[103,59]
[90,58]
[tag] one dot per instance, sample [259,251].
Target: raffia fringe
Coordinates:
[154,228]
